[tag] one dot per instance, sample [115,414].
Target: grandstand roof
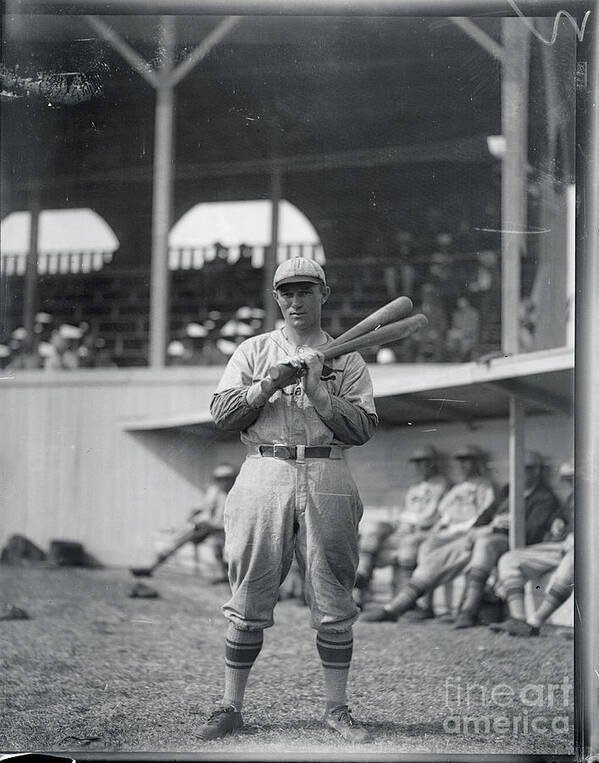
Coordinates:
[316,92]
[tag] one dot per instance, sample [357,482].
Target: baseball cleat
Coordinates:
[418,614]
[340,720]
[466,619]
[522,628]
[379,615]
[505,625]
[221,722]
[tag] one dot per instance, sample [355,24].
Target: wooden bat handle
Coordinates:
[284,373]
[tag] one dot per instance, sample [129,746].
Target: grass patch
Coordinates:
[96,671]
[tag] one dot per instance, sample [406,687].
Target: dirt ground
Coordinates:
[96,671]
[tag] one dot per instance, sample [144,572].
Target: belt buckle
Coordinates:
[281,451]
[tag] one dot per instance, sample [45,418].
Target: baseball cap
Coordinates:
[425,453]
[298,270]
[470,451]
[566,469]
[533,458]
[223,471]
[67,331]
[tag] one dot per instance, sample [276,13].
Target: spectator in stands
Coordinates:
[177,353]
[396,543]
[63,353]
[430,341]
[20,358]
[102,355]
[486,294]
[528,324]
[400,275]
[554,554]
[445,273]
[463,336]
[458,511]
[4,355]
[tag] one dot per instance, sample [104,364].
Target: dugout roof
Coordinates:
[409,394]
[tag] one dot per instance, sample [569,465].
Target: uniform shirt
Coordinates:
[459,508]
[422,500]
[289,417]
[213,507]
[540,506]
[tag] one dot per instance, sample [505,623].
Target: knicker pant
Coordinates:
[277,508]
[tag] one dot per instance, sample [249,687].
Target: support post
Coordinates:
[31,277]
[162,198]
[270,253]
[514,116]
[586,533]
[516,473]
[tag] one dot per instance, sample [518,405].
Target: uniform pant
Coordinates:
[531,562]
[280,507]
[388,546]
[440,562]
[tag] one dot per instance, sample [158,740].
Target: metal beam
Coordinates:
[113,38]
[300,7]
[531,395]
[162,197]
[469,150]
[270,252]
[586,572]
[480,36]
[514,118]
[31,276]
[203,49]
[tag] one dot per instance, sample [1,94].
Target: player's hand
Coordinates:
[313,361]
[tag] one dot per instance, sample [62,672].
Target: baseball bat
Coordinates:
[392,332]
[393,311]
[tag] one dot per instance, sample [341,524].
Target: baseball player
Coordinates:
[397,543]
[209,518]
[207,521]
[294,492]
[491,541]
[478,550]
[458,510]
[554,554]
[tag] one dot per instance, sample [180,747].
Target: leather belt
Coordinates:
[290,452]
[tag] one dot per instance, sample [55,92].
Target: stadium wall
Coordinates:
[71,469]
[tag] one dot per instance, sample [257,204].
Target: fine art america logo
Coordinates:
[529,709]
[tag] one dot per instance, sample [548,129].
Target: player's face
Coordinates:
[425,468]
[467,467]
[532,474]
[301,304]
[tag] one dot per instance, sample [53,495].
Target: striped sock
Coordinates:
[476,578]
[513,591]
[558,594]
[241,650]
[406,598]
[335,650]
